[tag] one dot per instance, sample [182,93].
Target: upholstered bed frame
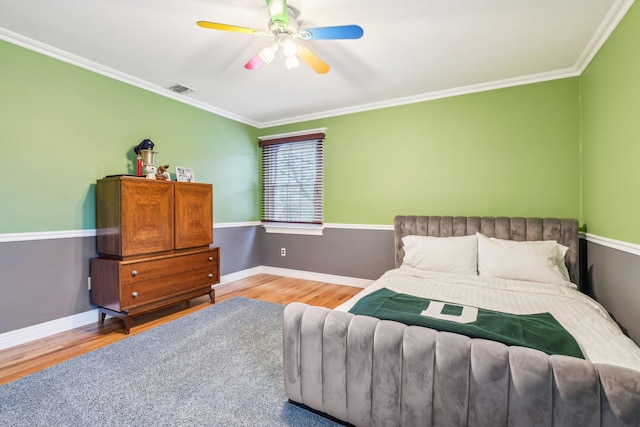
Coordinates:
[564,231]
[367,371]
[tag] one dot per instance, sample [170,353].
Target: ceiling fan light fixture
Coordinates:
[292,62]
[268,53]
[283,26]
[289,48]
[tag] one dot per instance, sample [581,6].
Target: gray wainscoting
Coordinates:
[612,277]
[239,247]
[44,280]
[609,275]
[363,254]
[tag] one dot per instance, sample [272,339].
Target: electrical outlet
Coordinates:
[89,282]
[283,251]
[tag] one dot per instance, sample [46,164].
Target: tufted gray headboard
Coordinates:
[564,231]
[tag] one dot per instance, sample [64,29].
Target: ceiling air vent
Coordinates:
[178,88]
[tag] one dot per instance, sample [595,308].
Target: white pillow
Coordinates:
[534,261]
[445,254]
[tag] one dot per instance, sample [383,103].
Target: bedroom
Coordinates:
[64,127]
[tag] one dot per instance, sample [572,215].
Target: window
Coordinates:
[292,178]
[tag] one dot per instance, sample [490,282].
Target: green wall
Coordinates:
[507,152]
[610,91]
[512,152]
[62,127]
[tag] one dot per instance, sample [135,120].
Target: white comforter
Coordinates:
[600,339]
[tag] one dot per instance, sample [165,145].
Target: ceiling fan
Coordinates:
[284,28]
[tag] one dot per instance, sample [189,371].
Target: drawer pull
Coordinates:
[134,273]
[134,294]
[210,276]
[210,258]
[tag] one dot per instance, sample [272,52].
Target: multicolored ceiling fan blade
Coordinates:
[318,65]
[232,28]
[255,62]
[332,33]
[265,56]
[279,13]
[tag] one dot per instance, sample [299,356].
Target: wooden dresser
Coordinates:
[154,240]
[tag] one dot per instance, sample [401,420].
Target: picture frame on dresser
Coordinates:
[184,174]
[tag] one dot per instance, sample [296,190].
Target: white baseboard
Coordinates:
[238,275]
[52,327]
[317,277]
[43,330]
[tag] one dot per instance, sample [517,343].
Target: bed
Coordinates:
[365,370]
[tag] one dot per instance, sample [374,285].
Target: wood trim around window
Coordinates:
[294,138]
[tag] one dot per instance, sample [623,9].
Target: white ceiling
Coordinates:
[412,50]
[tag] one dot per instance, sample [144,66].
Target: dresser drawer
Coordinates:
[138,293]
[122,285]
[159,269]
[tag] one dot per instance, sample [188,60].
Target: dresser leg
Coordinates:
[127,325]
[122,315]
[101,316]
[212,296]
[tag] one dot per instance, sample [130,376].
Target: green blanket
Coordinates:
[540,331]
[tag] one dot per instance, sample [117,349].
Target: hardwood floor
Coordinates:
[19,361]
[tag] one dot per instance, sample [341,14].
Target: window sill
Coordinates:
[283,228]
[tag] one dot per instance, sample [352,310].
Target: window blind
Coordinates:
[293,179]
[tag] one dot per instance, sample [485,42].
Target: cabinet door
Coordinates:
[109,217]
[147,216]
[194,214]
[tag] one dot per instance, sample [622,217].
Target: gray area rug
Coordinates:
[221,366]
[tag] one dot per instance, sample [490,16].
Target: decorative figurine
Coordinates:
[163,173]
[146,158]
[139,165]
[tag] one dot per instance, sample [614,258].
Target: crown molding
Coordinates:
[613,18]
[70,58]
[430,96]
[610,22]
